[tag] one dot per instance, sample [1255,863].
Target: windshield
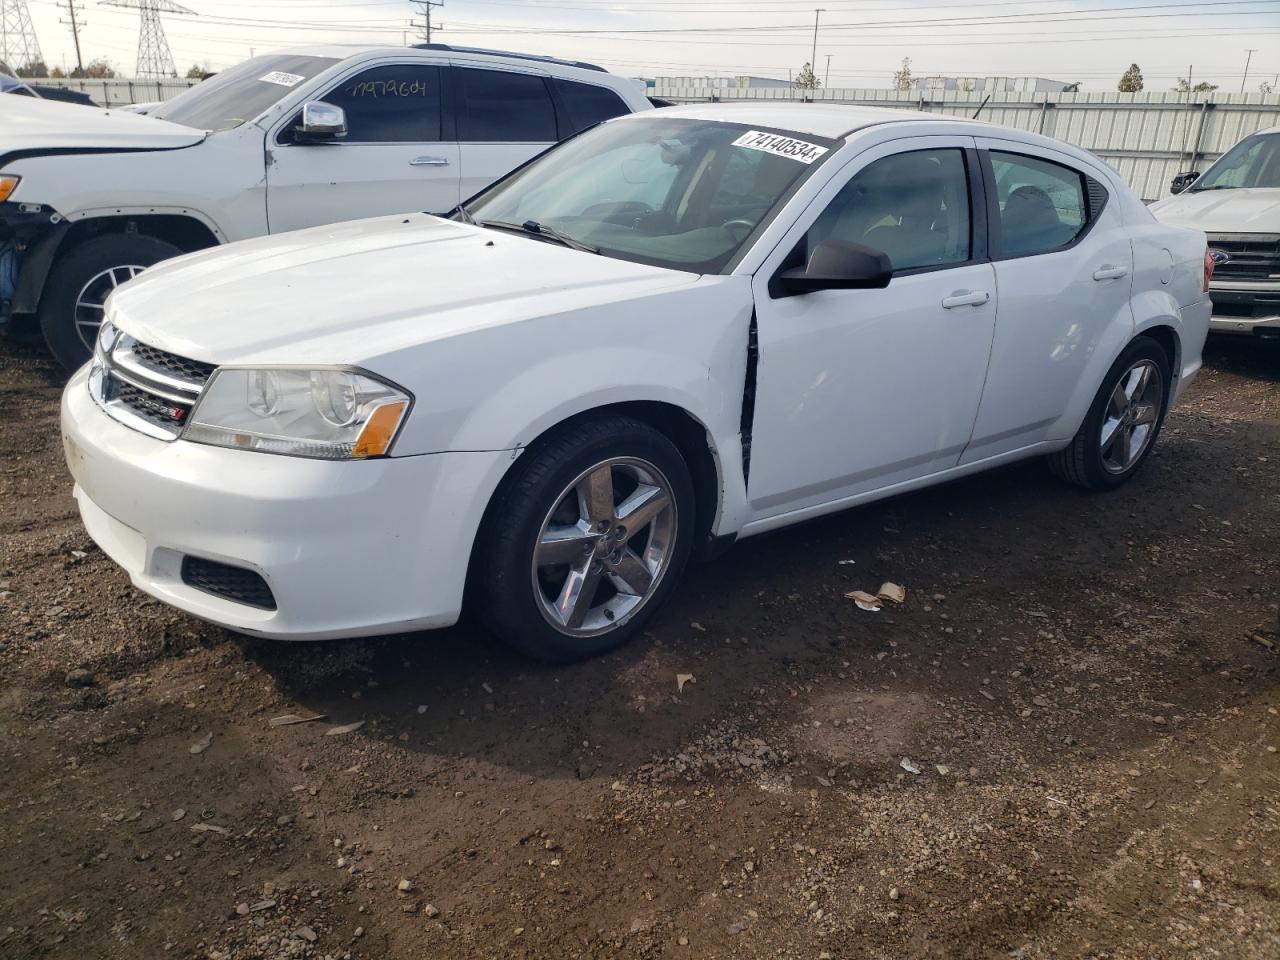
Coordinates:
[676,193]
[1253,162]
[242,93]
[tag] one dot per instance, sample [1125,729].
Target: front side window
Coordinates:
[587,104]
[1253,162]
[241,93]
[397,103]
[496,106]
[1041,205]
[913,206]
[679,193]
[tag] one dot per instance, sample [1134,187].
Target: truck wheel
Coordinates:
[72,308]
[585,540]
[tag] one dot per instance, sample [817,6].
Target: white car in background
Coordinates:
[90,198]
[1237,203]
[678,329]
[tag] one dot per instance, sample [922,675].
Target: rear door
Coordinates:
[392,160]
[1064,268]
[503,118]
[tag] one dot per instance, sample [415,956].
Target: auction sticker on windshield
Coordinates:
[780,146]
[281,78]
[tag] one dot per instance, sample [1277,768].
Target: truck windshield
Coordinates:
[241,93]
[671,192]
[1253,162]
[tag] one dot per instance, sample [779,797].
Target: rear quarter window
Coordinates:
[586,104]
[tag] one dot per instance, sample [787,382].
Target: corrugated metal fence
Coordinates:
[121,93]
[1147,137]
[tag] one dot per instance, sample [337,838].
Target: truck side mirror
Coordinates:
[1184,180]
[320,122]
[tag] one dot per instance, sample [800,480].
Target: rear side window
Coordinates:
[1042,206]
[495,106]
[391,104]
[587,104]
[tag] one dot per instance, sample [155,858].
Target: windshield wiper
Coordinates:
[533,228]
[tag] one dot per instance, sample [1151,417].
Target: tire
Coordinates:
[555,496]
[102,262]
[1097,465]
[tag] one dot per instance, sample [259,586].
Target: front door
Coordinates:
[858,390]
[392,159]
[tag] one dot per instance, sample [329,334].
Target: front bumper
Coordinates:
[347,549]
[1246,308]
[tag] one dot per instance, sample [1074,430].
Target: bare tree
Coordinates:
[1184,86]
[902,76]
[1131,82]
[808,80]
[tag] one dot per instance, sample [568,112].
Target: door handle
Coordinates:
[966,298]
[429,162]
[1108,272]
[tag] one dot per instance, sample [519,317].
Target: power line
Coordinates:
[426,7]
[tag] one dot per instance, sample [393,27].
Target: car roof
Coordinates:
[440,51]
[829,120]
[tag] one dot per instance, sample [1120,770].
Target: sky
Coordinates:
[1091,41]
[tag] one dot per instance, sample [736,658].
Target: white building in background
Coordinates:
[720,83]
[992,84]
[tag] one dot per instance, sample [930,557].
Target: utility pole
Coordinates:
[826,81]
[155,59]
[75,32]
[813,58]
[1247,60]
[427,26]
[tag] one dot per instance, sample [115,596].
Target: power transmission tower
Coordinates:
[427,26]
[18,45]
[155,60]
[75,23]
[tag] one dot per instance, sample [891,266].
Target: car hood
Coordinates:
[1243,210]
[353,292]
[28,124]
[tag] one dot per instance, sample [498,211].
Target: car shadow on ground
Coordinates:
[1026,567]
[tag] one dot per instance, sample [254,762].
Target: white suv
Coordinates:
[292,139]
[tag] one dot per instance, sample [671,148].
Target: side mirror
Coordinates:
[320,122]
[1184,180]
[836,265]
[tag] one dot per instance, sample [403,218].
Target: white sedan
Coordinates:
[677,329]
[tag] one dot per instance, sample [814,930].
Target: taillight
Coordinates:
[1208,269]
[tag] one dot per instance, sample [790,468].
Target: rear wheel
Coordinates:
[585,540]
[1123,423]
[72,308]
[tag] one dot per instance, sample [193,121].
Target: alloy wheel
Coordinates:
[604,546]
[1133,410]
[91,302]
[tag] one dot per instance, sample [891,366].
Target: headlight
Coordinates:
[328,414]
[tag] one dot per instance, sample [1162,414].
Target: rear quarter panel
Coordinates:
[1168,290]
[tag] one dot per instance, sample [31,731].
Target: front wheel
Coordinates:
[585,540]
[72,308]
[1123,423]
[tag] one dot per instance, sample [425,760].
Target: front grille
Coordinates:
[1253,256]
[147,388]
[230,583]
[162,413]
[159,360]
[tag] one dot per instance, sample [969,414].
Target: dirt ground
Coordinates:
[1081,686]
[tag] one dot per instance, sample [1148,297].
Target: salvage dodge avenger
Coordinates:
[676,329]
